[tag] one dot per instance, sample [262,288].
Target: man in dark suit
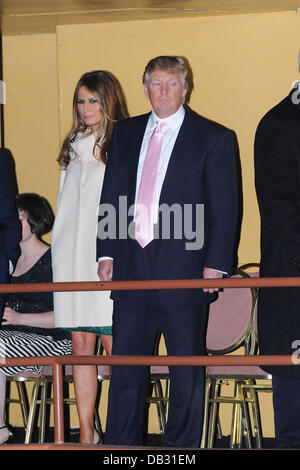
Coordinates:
[194,211]
[277,179]
[10,226]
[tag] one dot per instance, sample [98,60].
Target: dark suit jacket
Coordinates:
[277,178]
[201,170]
[10,225]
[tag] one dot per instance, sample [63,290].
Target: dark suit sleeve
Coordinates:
[221,203]
[108,202]
[10,226]
[277,183]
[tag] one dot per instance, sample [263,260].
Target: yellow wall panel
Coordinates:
[31,111]
[242,65]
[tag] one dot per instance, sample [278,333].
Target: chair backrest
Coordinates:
[231,319]
[252,269]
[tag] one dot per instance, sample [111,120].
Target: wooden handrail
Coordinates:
[57,362]
[229,360]
[153,284]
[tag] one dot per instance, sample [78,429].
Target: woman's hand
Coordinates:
[11,317]
[42,320]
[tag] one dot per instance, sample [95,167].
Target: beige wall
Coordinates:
[31,112]
[242,65]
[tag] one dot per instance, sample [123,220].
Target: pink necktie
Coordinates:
[143,220]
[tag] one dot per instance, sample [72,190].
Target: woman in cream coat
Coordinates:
[98,102]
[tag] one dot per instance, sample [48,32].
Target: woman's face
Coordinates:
[89,108]
[26,229]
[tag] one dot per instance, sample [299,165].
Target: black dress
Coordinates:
[27,341]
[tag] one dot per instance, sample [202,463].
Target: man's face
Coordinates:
[165,91]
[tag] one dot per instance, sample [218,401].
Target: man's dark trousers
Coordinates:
[137,317]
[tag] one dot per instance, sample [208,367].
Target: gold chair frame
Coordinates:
[244,393]
[41,383]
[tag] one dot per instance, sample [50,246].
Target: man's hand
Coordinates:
[105,270]
[209,273]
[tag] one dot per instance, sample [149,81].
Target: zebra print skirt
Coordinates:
[21,344]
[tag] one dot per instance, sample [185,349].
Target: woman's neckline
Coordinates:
[87,133]
[28,270]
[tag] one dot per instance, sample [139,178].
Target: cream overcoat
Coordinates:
[74,239]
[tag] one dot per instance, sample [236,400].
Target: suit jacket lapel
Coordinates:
[176,159]
[137,139]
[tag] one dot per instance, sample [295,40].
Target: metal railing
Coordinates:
[57,362]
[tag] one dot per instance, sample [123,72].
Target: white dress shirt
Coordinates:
[170,133]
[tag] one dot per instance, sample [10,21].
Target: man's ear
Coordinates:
[146,90]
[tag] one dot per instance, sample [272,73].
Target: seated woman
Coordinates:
[28,321]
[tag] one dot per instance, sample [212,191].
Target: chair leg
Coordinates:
[160,405]
[214,407]
[21,389]
[167,398]
[98,426]
[257,421]
[43,409]
[236,426]
[97,420]
[32,410]
[241,426]
[205,413]
[246,419]
[219,430]
[252,388]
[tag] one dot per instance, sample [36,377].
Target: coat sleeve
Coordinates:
[10,226]
[221,203]
[60,186]
[106,234]
[277,183]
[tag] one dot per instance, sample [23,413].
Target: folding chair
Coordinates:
[231,326]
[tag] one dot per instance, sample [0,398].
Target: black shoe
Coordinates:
[10,436]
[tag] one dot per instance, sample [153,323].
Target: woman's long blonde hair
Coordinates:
[113,106]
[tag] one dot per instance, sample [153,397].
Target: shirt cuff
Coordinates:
[11,267]
[218,270]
